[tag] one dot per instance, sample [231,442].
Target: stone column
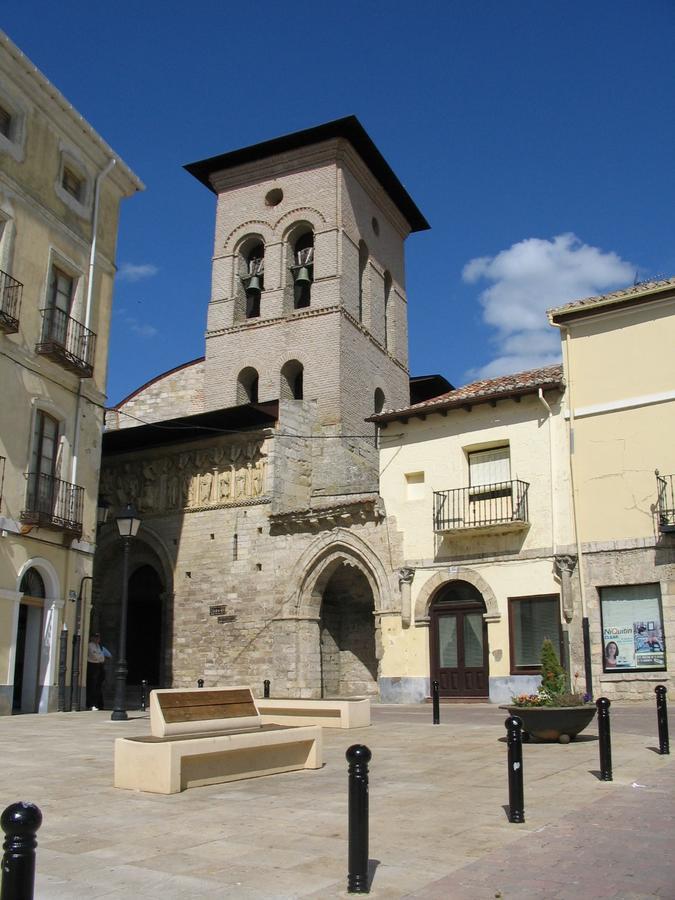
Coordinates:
[405,580]
[564,568]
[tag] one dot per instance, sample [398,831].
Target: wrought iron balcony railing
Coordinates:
[67,342]
[10,303]
[500,506]
[665,507]
[52,503]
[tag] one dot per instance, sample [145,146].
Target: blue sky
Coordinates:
[536,137]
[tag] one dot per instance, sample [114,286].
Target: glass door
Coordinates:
[459,652]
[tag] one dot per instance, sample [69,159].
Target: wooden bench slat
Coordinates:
[202,698]
[202,713]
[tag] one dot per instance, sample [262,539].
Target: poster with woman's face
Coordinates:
[632,630]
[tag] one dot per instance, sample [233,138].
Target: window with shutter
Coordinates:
[489,466]
[531,621]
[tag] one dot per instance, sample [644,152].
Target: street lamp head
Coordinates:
[102,510]
[128,522]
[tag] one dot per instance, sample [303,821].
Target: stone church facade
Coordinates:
[265,550]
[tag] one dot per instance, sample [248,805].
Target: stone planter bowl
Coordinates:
[553,723]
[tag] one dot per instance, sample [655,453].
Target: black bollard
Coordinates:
[605,739]
[20,822]
[358,757]
[144,695]
[200,682]
[266,689]
[514,742]
[435,703]
[662,718]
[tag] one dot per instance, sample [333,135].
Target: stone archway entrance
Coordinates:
[347,633]
[458,642]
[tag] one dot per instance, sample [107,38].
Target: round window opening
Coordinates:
[274,197]
[376,225]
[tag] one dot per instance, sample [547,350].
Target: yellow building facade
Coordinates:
[476,480]
[619,360]
[541,505]
[60,190]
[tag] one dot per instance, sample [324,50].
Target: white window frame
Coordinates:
[82,205]
[14,143]
[500,454]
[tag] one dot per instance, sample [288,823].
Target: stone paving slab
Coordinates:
[438,824]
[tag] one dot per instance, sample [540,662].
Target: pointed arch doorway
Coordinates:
[459,646]
[347,634]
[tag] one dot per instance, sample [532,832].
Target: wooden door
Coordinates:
[459,651]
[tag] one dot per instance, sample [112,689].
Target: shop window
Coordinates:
[632,628]
[531,621]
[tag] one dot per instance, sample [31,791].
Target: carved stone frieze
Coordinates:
[229,475]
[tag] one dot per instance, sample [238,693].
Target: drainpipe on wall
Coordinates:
[575,517]
[551,469]
[87,309]
[78,403]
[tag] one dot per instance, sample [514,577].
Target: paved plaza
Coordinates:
[438,825]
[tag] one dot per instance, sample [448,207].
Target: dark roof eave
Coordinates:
[348,128]
[459,403]
[234,419]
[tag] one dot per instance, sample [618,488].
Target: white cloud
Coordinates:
[133,272]
[142,330]
[527,279]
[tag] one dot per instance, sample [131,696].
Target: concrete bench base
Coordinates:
[171,764]
[345,713]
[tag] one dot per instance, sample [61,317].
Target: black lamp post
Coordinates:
[128,524]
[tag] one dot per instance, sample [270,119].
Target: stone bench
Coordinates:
[351,712]
[207,737]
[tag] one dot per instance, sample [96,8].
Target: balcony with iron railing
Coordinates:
[52,503]
[67,342]
[494,508]
[665,504]
[10,303]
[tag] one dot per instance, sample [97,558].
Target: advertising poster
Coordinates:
[632,629]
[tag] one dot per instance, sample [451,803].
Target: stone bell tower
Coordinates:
[308,282]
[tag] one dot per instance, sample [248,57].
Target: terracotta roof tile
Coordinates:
[481,392]
[644,287]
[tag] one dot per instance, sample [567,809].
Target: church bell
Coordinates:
[302,275]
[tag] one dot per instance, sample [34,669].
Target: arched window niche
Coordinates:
[387,294]
[363,278]
[292,375]
[247,386]
[251,277]
[300,261]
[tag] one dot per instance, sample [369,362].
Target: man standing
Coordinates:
[96,657]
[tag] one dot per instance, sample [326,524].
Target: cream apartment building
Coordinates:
[476,480]
[60,190]
[619,361]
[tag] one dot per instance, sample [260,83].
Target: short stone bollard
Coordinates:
[20,823]
[435,702]
[358,757]
[266,689]
[144,695]
[514,742]
[662,719]
[200,682]
[604,738]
